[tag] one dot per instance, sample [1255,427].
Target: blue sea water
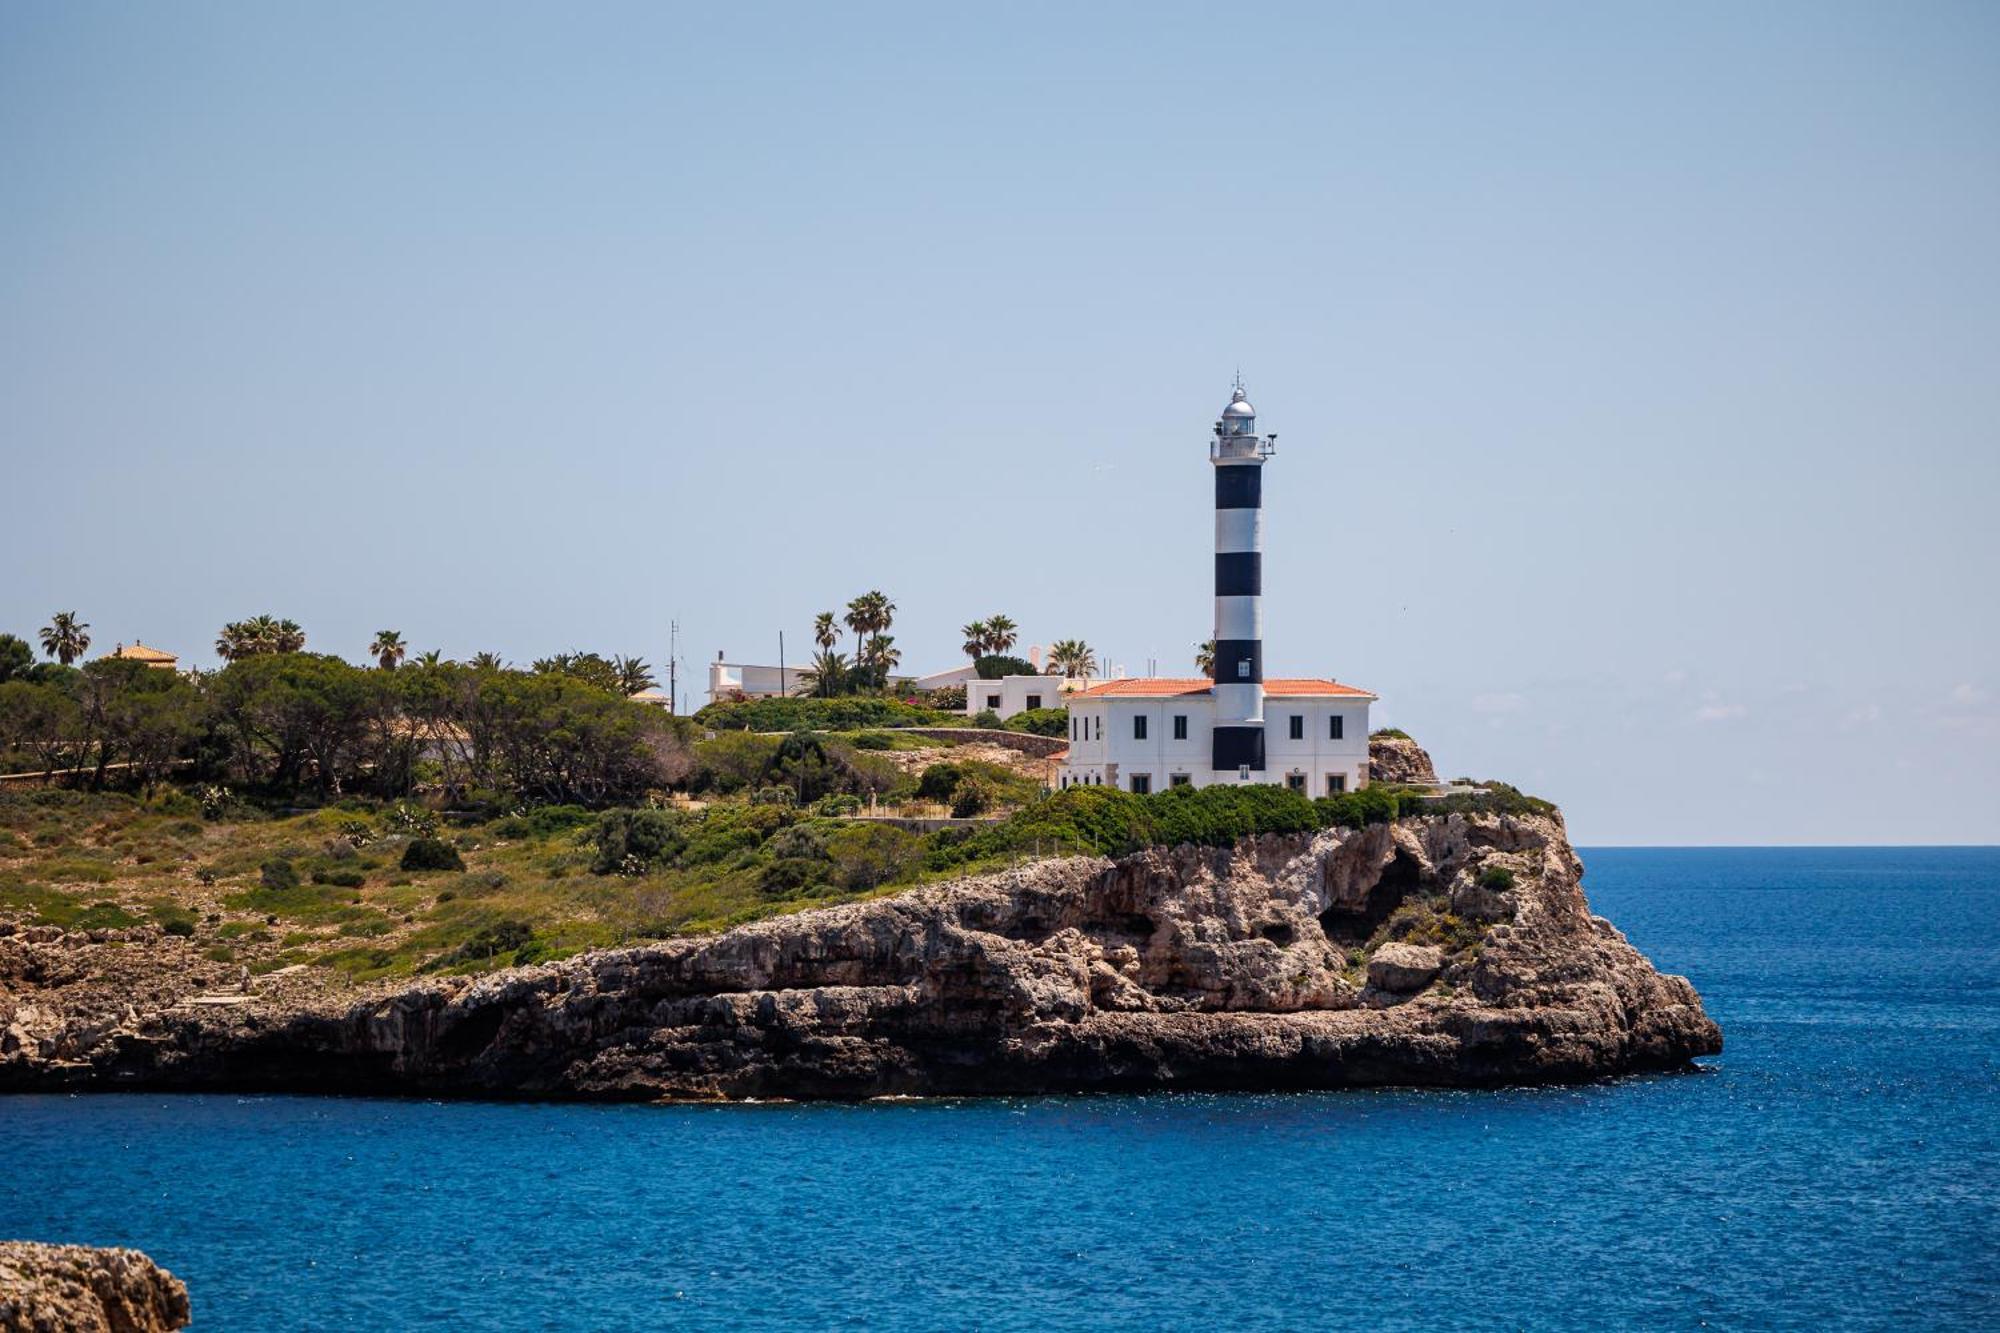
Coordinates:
[1836,1167]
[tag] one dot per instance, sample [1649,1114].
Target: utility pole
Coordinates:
[673,662]
[782,691]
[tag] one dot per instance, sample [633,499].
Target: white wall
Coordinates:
[726,679]
[1104,750]
[1015,693]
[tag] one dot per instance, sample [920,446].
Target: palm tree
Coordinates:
[634,674]
[432,658]
[828,674]
[880,658]
[977,635]
[857,619]
[826,630]
[1000,634]
[486,662]
[1204,658]
[1072,657]
[244,638]
[64,639]
[388,649]
[289,638]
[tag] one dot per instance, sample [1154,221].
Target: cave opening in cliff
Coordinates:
[1349,923]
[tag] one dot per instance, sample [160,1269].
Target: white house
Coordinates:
[740,680]
[1016,694]
[938,680]
[1147,734]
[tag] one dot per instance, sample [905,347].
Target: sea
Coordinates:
[1835,1167]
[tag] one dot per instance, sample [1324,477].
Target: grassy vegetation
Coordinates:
[341,888]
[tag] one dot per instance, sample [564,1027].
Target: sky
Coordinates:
[1634,367]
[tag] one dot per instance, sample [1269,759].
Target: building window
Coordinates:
[1142,784]
[1178,780]
[1072,728]
[1034,701]
[1336,727]
[1298,726]
[1139,727]
[1065,782]
[1295,781]
[1336,783]
[1100,727]
[993,702]
[1242,668]
[1180,726]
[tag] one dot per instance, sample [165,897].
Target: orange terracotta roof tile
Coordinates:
[139,652]
[1163,687]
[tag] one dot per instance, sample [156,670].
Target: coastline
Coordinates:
[1283,962]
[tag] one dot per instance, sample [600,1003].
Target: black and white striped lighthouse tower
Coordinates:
[1238,454]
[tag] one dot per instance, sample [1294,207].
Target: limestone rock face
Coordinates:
[1399,759]
[1254,966]
[78,1289]
[1405,968]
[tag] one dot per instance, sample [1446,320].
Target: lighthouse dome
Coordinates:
[1239,407]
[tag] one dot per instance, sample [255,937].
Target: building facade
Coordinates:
[1017,694]
[1145,735]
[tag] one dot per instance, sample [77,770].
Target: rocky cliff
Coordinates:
[77,1289]
[1394,757]
[1444,950]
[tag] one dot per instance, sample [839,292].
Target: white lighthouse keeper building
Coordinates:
[1146,734]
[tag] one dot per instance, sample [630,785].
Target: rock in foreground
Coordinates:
[78,1289]
[1246,967]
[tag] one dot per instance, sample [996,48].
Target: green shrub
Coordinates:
[731,761]
[278,873]
[939,781]
[840,803]
[870,740]
[1493,798]
[1370,805]
[725,830]
[851,713]
[431,854]
[647,837]
[1496,877]
[1040,721]
[346,879]
[179,926]
[866,855]
[773,796]
[799,842]
[542,822]
[987,720]
[787,877]
[995,665]
[971,797]
[1389,733]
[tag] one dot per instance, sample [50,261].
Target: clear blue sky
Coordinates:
[1634,366]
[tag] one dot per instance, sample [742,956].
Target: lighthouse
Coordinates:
[1238,453]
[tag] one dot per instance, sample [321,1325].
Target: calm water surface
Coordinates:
[1836,1167]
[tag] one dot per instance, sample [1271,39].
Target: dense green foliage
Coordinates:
[431,854]
[995,665]
[285,724]
[1040,721]
[851,713]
